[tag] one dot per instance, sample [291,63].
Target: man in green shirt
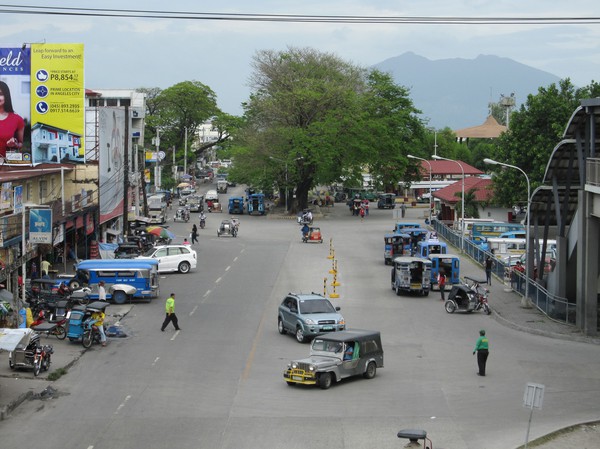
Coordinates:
[482,350]
[170,311]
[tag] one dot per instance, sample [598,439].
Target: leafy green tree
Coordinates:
[314,119]
[471,205]
[535,129]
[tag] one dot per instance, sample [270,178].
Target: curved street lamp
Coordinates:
[524,299]
[410,156]
[462,225]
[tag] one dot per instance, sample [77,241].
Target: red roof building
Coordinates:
[441,170]
[452,194]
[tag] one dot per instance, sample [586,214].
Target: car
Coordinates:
[336,356]
[308,315]
[172,258]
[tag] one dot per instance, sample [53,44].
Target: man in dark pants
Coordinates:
[482,350]
[489,264]
[442,284]
[170,311]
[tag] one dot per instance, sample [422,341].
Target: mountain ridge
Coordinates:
[455,92]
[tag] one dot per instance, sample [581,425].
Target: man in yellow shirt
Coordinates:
[98,318]
[170,313]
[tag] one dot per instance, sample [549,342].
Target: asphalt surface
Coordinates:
[21,385]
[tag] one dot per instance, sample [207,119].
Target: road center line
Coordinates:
[193,310]
[218,280]
[175,335]
[235,259]
[155,360]
[122,404]
[207,293]
[228,268]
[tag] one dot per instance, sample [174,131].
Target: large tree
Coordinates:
[314,119]
[535,129]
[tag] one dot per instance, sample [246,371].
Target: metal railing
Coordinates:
[555,307]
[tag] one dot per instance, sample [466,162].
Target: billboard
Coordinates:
[15,127]
[40,225]
[111,153]
[57,103]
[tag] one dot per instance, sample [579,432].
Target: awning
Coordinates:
[10,338]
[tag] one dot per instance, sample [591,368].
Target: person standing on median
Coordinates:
[482,348]
[170,313]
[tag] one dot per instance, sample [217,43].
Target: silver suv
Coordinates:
[308,315]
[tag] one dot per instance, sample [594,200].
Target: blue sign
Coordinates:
[40,225]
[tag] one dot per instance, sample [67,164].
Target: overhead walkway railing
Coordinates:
[555,307]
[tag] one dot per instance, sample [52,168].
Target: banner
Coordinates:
[15,128]
[40,226]
[57,103]
[18,200]
[6,195]
[111,154]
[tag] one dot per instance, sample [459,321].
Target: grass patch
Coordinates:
[57,374]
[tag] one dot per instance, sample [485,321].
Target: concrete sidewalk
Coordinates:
[21,385]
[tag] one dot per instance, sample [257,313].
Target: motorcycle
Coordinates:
[202,223]
[468,297]
[91,334]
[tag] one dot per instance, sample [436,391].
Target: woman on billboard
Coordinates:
[12,125]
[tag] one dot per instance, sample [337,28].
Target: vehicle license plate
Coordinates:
[297,378]
[327,328]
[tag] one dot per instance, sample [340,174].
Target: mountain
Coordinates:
[455,92]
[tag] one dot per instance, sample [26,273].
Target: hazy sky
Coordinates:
[132,52]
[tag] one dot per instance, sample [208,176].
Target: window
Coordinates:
[112,102]
[161,252]
[43,190]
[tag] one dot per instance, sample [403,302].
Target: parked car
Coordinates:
[336,356]
[308,315]
[172,258]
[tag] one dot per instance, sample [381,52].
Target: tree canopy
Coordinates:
[314,119]
[535,129]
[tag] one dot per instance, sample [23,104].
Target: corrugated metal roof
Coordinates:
[483,190]
[15,173]
[447,168]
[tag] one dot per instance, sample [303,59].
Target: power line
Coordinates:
[297,18]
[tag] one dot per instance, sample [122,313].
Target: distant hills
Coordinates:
[455,92]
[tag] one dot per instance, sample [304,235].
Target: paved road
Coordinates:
[218,383]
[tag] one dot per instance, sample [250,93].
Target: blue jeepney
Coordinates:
[416,235]
[236,205]
[256,204]
[401,225]
[425,248]
[395,245]
[451,266]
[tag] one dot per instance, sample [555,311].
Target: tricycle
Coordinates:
[227,228]
[182,214]
[468,297]
[312,235]
[31,354]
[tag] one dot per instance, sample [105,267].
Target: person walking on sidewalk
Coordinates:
[482,349]
[170,313]
[489,264]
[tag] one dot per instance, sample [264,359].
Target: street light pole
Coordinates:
[462,225]
[524,299]
[410,156]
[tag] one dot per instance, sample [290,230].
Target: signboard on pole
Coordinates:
[40,225]
[534,396]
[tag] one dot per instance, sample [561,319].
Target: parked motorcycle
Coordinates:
[468,297]
[91,334]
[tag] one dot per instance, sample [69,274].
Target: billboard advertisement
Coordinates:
[111,152]
[57,103]
[15,116]
[40,225]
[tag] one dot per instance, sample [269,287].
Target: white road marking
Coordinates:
[155,360]
[193,310]
[207,293]
[228,268]
[235,259]
[122,404]
[218,280]
[175,335]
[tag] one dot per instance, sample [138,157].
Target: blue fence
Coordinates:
[555,307]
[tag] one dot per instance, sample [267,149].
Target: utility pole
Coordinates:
[126,177]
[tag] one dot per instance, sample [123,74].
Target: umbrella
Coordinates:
[182,185]
[160,232]
[186,176]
